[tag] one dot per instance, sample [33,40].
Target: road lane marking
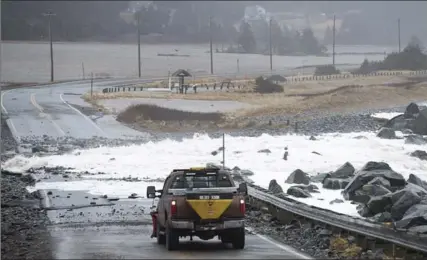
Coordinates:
[42,113]
[2,95]
[13,130]
[83,115]
[281,246]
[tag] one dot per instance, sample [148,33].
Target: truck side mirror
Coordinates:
[151,192]
[243,188]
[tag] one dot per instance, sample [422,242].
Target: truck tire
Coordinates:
[238,241]
[161,239]
[172,239]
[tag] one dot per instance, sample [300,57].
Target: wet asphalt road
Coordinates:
[89,226]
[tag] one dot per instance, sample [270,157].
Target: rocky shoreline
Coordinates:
[23,222]
[24,232]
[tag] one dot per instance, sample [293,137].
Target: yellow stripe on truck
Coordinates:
[209,209]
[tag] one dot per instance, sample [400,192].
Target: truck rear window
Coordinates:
[201,181]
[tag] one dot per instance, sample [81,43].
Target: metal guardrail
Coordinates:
[345,222]
[290,80]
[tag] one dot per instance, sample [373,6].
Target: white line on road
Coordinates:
[35,104]
[281,246]
[2,95]
[83,115]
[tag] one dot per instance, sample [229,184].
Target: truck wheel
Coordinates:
[238,241]
[161,239]
[225,239]
[172,239]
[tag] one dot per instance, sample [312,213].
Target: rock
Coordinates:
[417,181]
[309,188]
[360,137]
[236,168]
[370,171]
[320,177]
[419,125]
[335,184]
[367,191]
[415,139]
[274,187]
[336,201]
[325,232]
[49,193]
[386,133]
[383,217]
[298,192]
[377,205]
[407,198]
[246,172]
[298,177]
[316,153]
[418,229]
[397,123]
[414,216]
[407,132]
[133,196]
[381,182]
[214,153]
[422,155]
[411,110]
[312,138]
[345,171]
[264,151]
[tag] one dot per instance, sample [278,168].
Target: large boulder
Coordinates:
[370,171]
[246,172]
[414,216]
[422,155]
[417,181]
[345,171]
[411,110]
[376,205]
[368,191]
[298,192]
[274,187]
[298,177]
[397,123]
[386,133]
[404,199]
[415,139]
[381,181]
[335,184]
[419,125]
[321,177]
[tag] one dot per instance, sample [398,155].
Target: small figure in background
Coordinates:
[285,155]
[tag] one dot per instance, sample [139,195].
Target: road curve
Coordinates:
[51,110]
[48,110]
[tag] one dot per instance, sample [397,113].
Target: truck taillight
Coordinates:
[242,206]
[173,207]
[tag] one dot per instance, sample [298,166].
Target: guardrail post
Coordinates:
[142,88]
[128,88]
[134,88]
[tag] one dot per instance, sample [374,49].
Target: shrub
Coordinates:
[265,86]
[326,70]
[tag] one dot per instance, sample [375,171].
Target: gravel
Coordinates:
[23,225]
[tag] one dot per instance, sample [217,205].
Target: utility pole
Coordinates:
[398,31]
[49,15]
[91,85]
[83,70]
[333,44]
[138,25]
[238,66]
[271,50]
[210,42]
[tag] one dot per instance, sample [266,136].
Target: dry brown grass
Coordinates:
[373,94]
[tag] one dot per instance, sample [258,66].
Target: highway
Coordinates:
[114,230]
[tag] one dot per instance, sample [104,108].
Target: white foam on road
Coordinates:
[156,160]
[386,116]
